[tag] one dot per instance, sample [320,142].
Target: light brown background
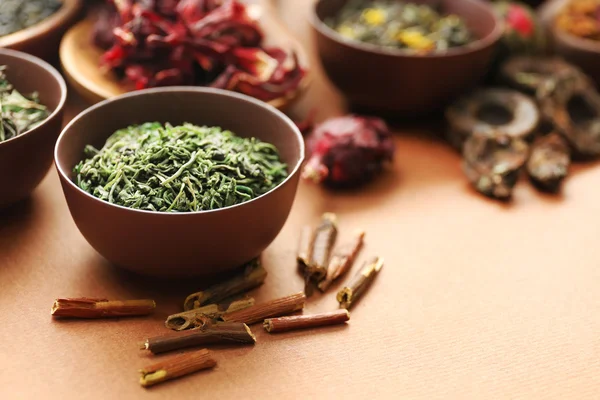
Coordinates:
[477,300]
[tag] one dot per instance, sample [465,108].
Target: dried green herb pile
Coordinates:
[16,15]
[179,168]
[19,114]
[393,23]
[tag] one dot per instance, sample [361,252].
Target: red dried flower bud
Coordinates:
[348,151]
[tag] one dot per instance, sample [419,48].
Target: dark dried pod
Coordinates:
[548,162]
[485,110]
[492,161]
[572,105]
[527,73]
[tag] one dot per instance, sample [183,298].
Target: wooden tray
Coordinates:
[80,59]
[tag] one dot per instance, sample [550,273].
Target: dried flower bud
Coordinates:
[348,151]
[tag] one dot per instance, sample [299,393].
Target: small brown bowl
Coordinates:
[43,38]
[395,80]
[25,159]
[584,53]
[180,244]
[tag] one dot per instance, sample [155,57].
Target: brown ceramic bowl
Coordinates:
[25,159]
[585,53]
[42,39]
[394,80]
[182,244]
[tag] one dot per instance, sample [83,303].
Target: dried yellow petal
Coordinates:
[415,40]
[374,16]
[346,31]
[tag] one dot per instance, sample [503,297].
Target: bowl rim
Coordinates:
[55,74]
[210,91]
[583,44]
[481,43]
[67,10]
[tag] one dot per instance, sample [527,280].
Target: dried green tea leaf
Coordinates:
[18,114]
[184,168]
[16,15]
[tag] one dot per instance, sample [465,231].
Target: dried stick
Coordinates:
[305,247]
[252,276]
[359,283]
[323,241]
[285,324]
[224,332]
[100,308]
[176,367]
[342,260]
[199,316]
[274,308]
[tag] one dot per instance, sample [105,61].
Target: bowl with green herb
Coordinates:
[180,181]
[36,26]
[405,56]
[32,98]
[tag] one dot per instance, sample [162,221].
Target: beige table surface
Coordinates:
[477,300]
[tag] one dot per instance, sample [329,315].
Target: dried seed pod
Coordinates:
[527,73]
[572,105]
[492,161]
[487,110]
[549,162]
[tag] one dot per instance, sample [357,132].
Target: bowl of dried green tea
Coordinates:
[32,98]
[36,26]
[180,181]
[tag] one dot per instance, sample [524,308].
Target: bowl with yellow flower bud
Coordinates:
[405,57]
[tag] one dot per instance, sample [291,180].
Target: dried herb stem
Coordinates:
[200,316]
[305,247]
[252,276]
[218,333]
[101,308]
[274,308]
[342,260]
[323,241]
[359,283]
[285,324]
[176,367]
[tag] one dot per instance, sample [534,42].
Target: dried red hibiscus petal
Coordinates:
[348,151]
[194,42]
[258,74]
